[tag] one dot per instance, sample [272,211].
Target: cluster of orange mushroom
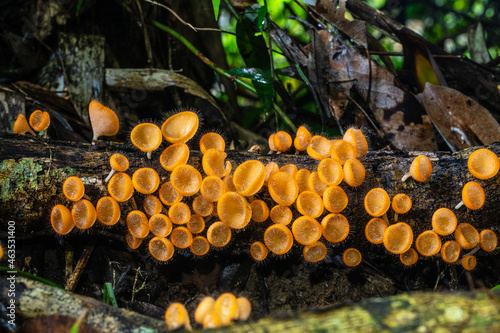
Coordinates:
[39,121]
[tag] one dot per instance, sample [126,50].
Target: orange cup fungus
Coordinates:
[120,187]
[145,180]
[39,120]
[278,239]
[335,199]
[179,213]
[169,195]
[219,234]
[302,139]
[318,148]
[281,215]
[258,251]
[375,229]
[271,169]
[103,120]
[302,179]
[244,308]
[160,225]
[21,125]
[401,204]
[314,252]
[73,188]
[249,177]
[358,141]
[467,236]
[282,141]
[186,179]
[351,257]
[341,151]
[133,242]
[306,230]
[483,164]
[138,224]
[316,184]
[309,203]
[428,243]
[335,228]
[270,141]
[177,317]
[472,196]
[213,163]
[234,210]
[181,237]
[444,221]
[283,188]
[212,141]
[147,137]
[488,240]
[226,308]
[260,211]
[330,171]
[107,211]
[161,248]
[409,257]
[200,246]
[212,188]
[180,127]
[228,180]
[203,309]
[196,224]
[354,172]
[468,262]
[61,220]
[398,238]
[420,169]
[202,206]
[377,202]
[118,163]
[450,251]
[291,169]
[152,205]
[84,214]
[174,155]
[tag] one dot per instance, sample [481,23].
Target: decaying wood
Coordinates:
[427,312]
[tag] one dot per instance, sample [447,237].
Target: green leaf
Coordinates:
[30,276]
[252,47]
[108,295]
[262,80]
[497,287]
[262,17]
[216,5]
[79,7]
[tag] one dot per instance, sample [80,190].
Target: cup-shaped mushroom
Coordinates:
[314,252]
[335,227]
[169,195]
[160,225]
[84,214]
[260,211]
[278,239]
[316,184]
[196,224]
[233,211]
[401,203]
[179,213]
[138,224]
[147,137]
[186,179]
[244,308]
[483,164]
[213,163]
[120,187]
[352,257]
[39,120]
[319,147]
[354,172]
[180,127]
[444,221]
[226,307]
[420,169]
[341,151]
[330,171]
[302,179]
[357,139]
[258,251]
[108,211]
[161,248]
[377,202]
[152,205]
[335,199]
[270,142]
[212,188]
[228,180]
[409,257]
[282,141]
[249,177]
[283,188]
[118,163]
[177,317]
[211,320]
[467,236]
[309,203]
[133,242]
[306,230]
[202,206]
[472,196]
[145,180]
[281,215]
[375,229]
[219,234]
[174,155]
[61,219]
[398,238]
[488,240]
[450,251]
[271,169]
[302,139]
[181,237]
[291,169]
[428,243]
[73,188]
[103,120]
[212,141]
[21,125]
[203,309]
[468,262]
[200,246]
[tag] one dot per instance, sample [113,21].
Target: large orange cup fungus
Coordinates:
[21,125]
[152,205]
[120,187]
[335,199]
[196,224]
[341,151]
[138,224]
[398,238]
[145,180]
[409,257]
[444,221]
[61,220]
[450,251]
[258,251]
[354,172]
[302,139]
[169,195]
[212,141]
[335,228]
[377,202]
[374,230]
[234,210]
[282,141]
[147,137]
[281,215]
[314,252]
[174,155]
[108,211]
[318,148]
[73,188]
[177,317]
[467,236]
[160,225]
[420,169]
[180,127]
[278,239]
[84,214]
[118,163]
[428,243]
[213,163]
[186,179]
[356,138]
[330,171]
[226,308]
[212,188]
[316,184]
[483,164]
[161,248]
[306,230]
[181,237]
[310,203]
[103,120]
[249,177]
[219,234]
[39,120]
[283,188]
[472,196]
[179,213]
[200,246]
[488,240]
[351,257]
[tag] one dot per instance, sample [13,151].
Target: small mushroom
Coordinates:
[472,196]
[162,249]
[213,163]
[488,240]
[302,138]
[428,243]
[203,309]
[196,224]
[258,251]
[467,236]
[354,172]
[398,238]
[133,242]
[84,214]
[468,262]
[375,229]
[330,171]
[61,220]
[444,221]
[483,164]
[212,141]
[249,177]
[318,148]
[377,202]
[146,137]
[179,213]
[186,179]
[180,127]
[302,178]
[160,225]
[401,204]
[181,237]
[282,141]
[73,188]
[168,194]
[200,246]
[177,317]
[40,121]
[341,151]
[103,120]
[152,205]
[281,215]
[335,199]
[351,257]
[118,163]
[174,155]
[21,125]
[202,206]
[450,251]
[234,210]
[145,180]
[219,234]
[309,203]
[409,257]
[226,308]
[120,187]
[356,138]
[283,188]
[306,230]
[420,169]
[108,211]
[138,224]
[335,227]
[260,211]
[278,239]
[315,252]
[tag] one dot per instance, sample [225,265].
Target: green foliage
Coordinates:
[216,5]
[108,295]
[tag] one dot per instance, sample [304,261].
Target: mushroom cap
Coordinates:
[398,238]
[118,162]
[281,215]
[306,230]
[211,320]
[180,127]
[483,164]
[354,172]
[409,257]
[335,227]
[212,141]
[428,243]
[468,262]
[39,120]
[205,307]
[401,203]
[108,211]
[145,180]
[174,155]
[444,221]
[169,195]
[488,240]
[377,202]
[61,219]
[375,229]
[177,316]
[213,163]
[179,213]
[302,179]
[200,246]
[270,142]
[21,125]
[271,169]
[278,239]
[181,237]
[450,251]
[467,236]
[356,138]
[161,248]
[335,199]
[84,214]
[133,242]
[330,171]
[351,257]
[219,234]
[202,206]
[319,147]
[226,307]
[283,188]
[421,168]
[138,224]
[258,251]
[316,184]
[249,177]
[196,224]
[228,180]
[282,141]
[73,188]
[341,151]
[260,211]
[120,187]
[160,225]
[473,195]
[314,252]
[146,136]
[186,179]
[302,139]
[309,203]
[103,120]
[244,308]
[212,188]
[152,205]
[234,210]
[291,169]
